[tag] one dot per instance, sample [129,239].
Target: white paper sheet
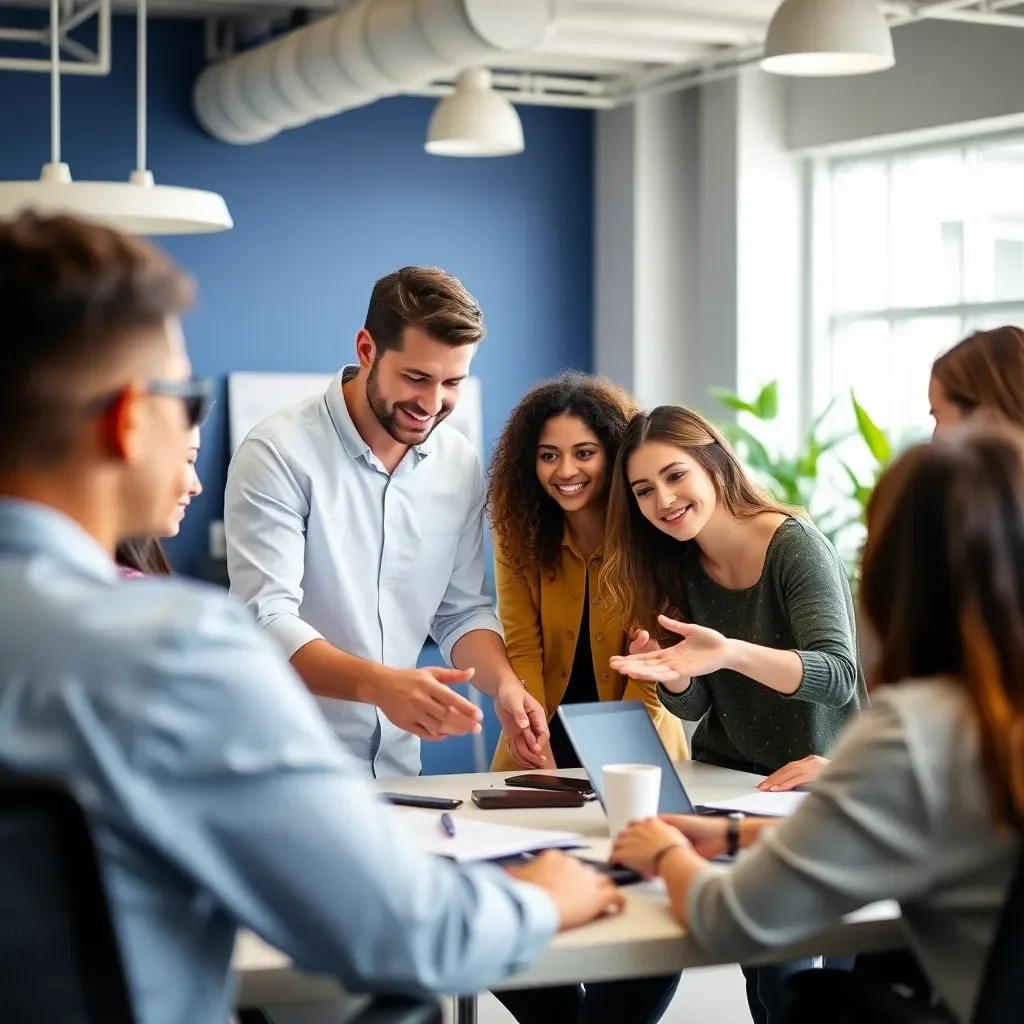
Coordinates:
[480,840]
[762,805]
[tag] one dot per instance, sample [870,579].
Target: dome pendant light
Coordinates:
[474,120]
[825,38]
[138,206]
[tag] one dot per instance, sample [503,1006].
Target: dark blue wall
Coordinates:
[320,213]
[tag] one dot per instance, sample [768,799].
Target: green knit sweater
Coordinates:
[802,602]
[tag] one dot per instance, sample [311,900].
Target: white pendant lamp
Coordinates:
[474,120]
[136,206]
[825,38]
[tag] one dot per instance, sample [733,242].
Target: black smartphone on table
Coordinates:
[510,799]
[433,803]
[618,873]
[539,780]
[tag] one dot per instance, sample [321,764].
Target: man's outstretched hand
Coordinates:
[422,701]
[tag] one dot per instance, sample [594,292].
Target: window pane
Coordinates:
[927,229]
[1000,193]
[915,345]
[860,256]
[988,321]
[860,358]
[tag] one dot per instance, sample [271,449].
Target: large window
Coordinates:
[913,251]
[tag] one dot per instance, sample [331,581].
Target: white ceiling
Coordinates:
[599,49]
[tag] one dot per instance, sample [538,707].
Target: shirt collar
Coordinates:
[568,542]
[346,428]
[31,528]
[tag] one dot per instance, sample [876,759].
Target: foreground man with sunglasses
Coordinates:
[218,796]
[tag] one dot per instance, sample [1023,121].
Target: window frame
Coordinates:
[821,320]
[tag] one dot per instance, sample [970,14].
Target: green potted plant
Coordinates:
[813,476]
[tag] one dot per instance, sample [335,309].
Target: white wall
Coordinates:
[947,75]
[614,249]
[698,189]
[667,249]
[769,251]
[647,246]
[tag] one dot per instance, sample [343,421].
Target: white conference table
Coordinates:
[643,941]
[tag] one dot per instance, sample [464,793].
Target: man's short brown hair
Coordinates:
[73,294]
[428,299]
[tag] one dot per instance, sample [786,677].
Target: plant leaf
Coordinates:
[733,401]
[767,402]
[819,419]
[756,454]
[874,438]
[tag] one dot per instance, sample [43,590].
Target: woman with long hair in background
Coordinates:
[981,377]
[756,600]
[924,800]
[145,556]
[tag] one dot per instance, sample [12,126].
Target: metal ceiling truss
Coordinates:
[76,57]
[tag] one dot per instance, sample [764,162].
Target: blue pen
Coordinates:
[448,825]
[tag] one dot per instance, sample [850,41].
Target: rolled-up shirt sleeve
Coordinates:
[465,605]
[265,513]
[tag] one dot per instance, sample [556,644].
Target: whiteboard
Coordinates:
[252,397]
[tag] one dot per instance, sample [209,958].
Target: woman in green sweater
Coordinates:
[768,658]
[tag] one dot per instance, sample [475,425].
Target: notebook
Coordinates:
[480,840]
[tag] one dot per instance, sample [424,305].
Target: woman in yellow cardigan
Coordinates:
[546,499]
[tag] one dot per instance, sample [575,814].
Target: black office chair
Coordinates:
[59,959]
[851,998]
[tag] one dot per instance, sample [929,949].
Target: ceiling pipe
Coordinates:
[373,49]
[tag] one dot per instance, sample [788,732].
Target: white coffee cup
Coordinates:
[631,792]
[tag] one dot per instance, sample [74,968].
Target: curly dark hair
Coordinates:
[526,521]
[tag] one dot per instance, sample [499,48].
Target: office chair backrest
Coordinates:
[1001,1000]
[59,959]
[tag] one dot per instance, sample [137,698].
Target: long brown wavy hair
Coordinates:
[985,372]
[643,566]
[526,521]
[145,555]
[942,585]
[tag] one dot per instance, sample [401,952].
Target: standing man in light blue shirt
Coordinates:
[354,524]
[216,794]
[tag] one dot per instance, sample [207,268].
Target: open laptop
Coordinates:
[621,732]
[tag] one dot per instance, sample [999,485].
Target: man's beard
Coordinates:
[385,415]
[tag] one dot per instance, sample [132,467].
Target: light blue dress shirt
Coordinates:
[217,794]
[323,543]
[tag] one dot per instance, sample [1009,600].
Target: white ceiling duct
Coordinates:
[375,48]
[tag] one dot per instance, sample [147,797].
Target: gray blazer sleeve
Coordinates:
[863,834]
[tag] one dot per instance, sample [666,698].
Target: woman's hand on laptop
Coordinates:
[794,774]
[706,832]
[642,845]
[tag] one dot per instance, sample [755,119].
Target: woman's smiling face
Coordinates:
[673,491]
[571,463]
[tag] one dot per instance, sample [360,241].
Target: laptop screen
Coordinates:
[621,732]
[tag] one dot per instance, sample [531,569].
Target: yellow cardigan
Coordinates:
[540,618]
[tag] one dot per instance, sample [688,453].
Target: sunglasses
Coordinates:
[196,395]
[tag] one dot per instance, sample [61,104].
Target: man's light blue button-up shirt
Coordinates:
[323,543]
[218,796]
